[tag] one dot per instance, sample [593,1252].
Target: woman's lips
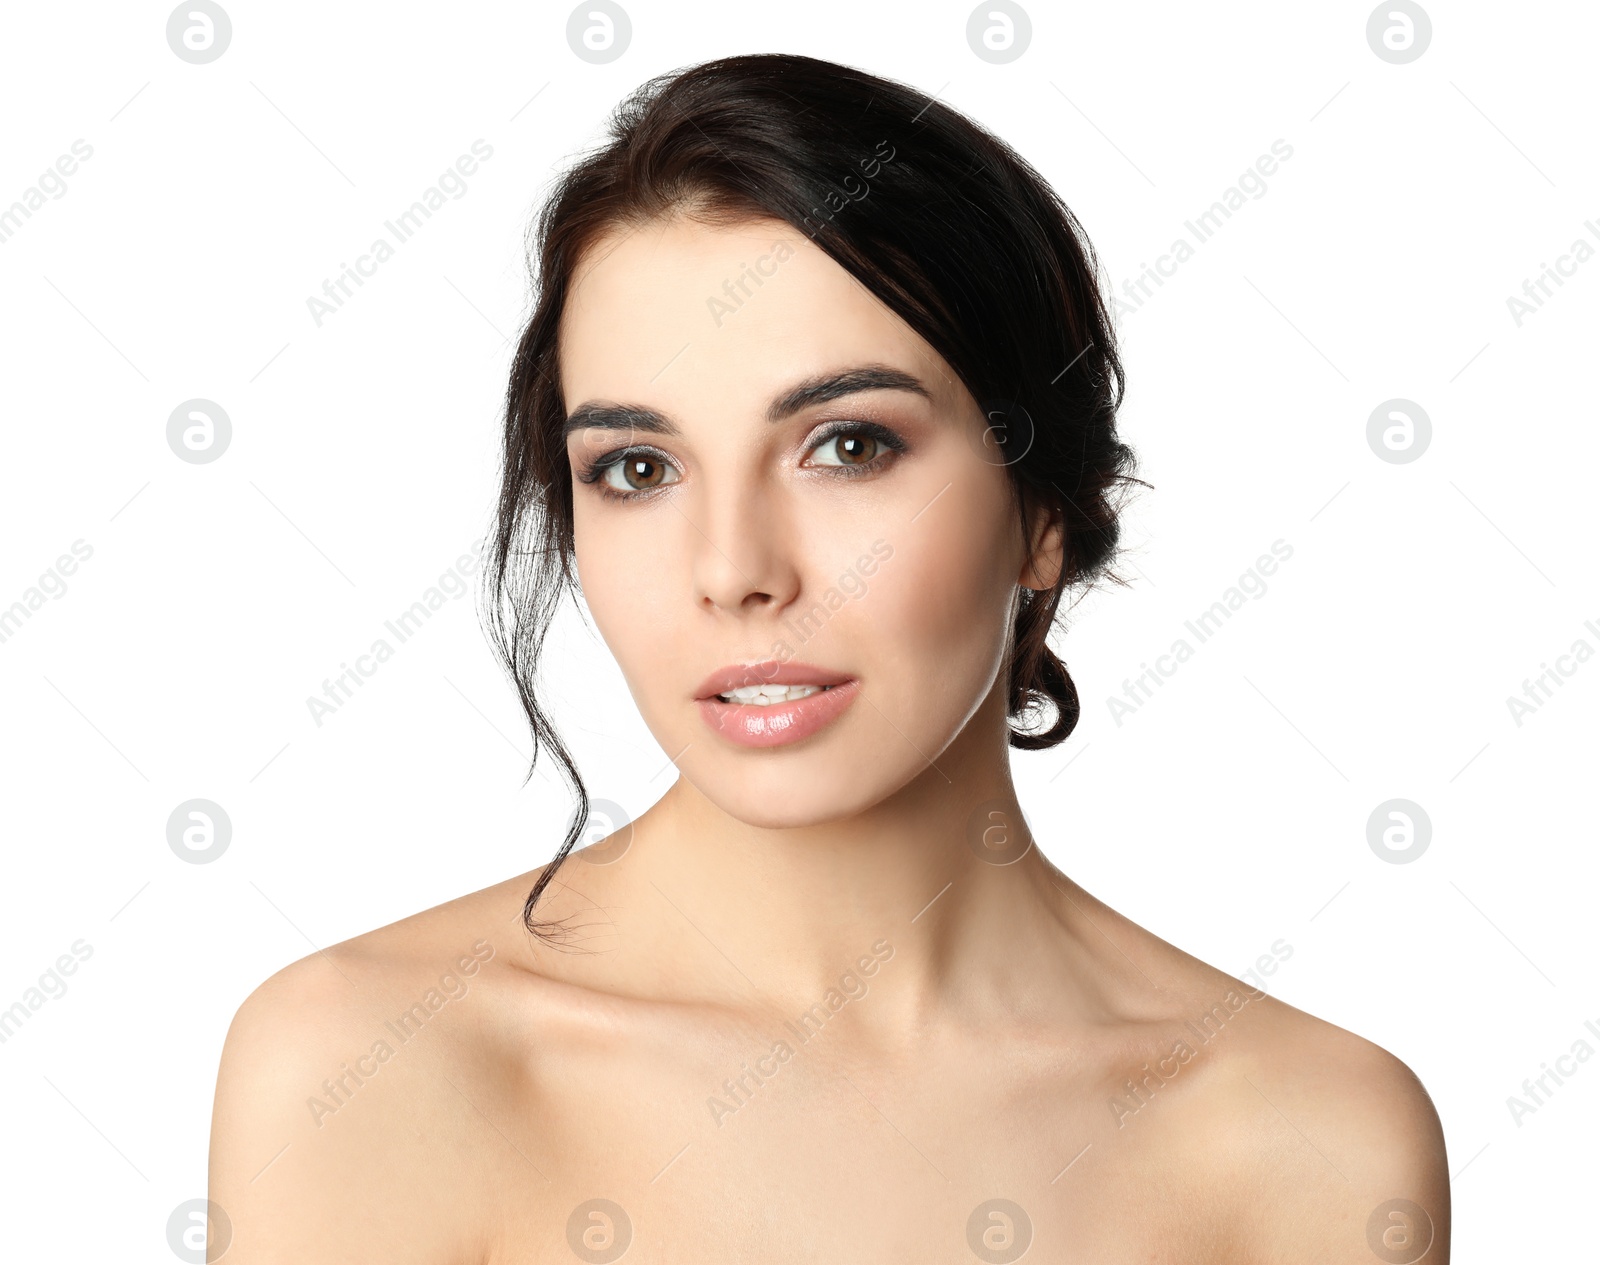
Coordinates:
[759,724]
[768,672]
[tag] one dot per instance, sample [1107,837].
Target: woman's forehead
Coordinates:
[680,307]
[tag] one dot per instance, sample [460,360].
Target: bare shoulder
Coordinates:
[1318,1144]
[1331,1145]
[347,1082]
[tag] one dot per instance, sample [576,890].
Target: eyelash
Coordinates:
[595,471]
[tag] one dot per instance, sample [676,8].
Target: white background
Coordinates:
[1227,813]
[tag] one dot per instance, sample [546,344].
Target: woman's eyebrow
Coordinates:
[595,416]
[819,389]
[832,386]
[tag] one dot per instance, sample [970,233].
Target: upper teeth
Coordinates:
[765,695]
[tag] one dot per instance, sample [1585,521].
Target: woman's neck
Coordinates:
[938,887]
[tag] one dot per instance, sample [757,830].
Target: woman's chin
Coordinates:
[794,794]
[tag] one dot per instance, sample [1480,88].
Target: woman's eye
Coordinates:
[639,472]
[848,448]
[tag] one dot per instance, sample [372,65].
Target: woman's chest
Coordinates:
[788,1155]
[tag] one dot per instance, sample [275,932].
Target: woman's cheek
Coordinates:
[935,609]
[952,597]
[957,555]
[626,589]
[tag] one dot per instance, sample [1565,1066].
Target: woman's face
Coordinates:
[778,484]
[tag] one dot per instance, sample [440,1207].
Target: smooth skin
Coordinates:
[975,1025]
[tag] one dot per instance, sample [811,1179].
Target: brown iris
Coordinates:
[855,449]
[643,472]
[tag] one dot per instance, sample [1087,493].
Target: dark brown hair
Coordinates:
[953,230]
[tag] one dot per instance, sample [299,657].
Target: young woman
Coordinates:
[817,410]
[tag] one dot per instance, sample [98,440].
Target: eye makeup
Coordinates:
[887,444]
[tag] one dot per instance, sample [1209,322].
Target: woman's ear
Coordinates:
[1046,547]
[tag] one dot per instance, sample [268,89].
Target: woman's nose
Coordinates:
[743,554]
